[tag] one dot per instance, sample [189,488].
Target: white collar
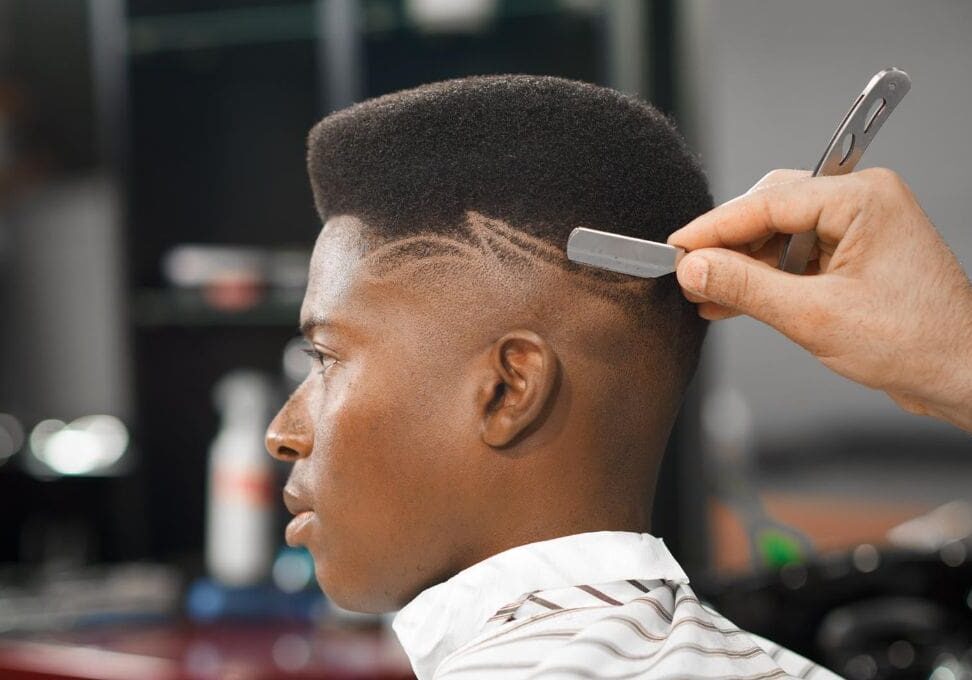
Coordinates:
[446,616]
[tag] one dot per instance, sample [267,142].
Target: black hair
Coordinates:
[542,154]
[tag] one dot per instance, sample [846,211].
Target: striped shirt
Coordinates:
[597,605]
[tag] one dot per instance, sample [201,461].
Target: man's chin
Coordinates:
[355,597]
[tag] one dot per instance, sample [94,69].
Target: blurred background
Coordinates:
[155,228]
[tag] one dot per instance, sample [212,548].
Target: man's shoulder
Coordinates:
[629,629]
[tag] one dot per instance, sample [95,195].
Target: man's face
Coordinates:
[395,483]
[378,433]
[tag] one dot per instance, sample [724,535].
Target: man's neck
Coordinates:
[563,515]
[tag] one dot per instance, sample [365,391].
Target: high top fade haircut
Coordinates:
[536,156]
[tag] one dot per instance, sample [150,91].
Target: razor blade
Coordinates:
[623,254]
[649,259]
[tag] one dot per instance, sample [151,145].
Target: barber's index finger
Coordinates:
[789,208]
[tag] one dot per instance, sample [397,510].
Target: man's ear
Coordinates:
[522,376]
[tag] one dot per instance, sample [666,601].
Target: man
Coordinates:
[480,441]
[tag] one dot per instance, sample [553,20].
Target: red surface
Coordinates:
[218,652]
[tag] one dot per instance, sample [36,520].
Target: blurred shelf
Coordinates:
[297,21]
[162,308]
[221,28]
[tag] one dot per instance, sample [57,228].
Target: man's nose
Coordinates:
[290,435]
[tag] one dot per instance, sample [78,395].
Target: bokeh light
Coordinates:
[11,436]
[87,445]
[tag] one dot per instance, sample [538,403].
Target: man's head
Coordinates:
[477,390]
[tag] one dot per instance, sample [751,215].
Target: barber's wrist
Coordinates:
[939,384]
[953,399]
[960,411]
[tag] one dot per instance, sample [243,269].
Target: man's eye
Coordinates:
[324,360]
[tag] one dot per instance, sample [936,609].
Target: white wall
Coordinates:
[769,82]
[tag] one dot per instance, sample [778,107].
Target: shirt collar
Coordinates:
[446,616]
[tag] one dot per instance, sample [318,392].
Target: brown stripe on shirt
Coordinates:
[502,642]
[663,652]
[659,608]
[641,631]
[532,620]
[591,590]
[588,673]
[632,623]
[544,603]
[580,671]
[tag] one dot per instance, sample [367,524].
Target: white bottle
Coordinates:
[241,490]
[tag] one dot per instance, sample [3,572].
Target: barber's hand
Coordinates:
[884,302]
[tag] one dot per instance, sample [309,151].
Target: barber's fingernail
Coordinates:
[693,274]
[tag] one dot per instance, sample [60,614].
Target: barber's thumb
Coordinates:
[740,283]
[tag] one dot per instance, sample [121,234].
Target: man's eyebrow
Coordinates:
[314,322]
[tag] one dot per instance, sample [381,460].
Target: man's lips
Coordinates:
[303,514]
[294,501]
[296,527]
